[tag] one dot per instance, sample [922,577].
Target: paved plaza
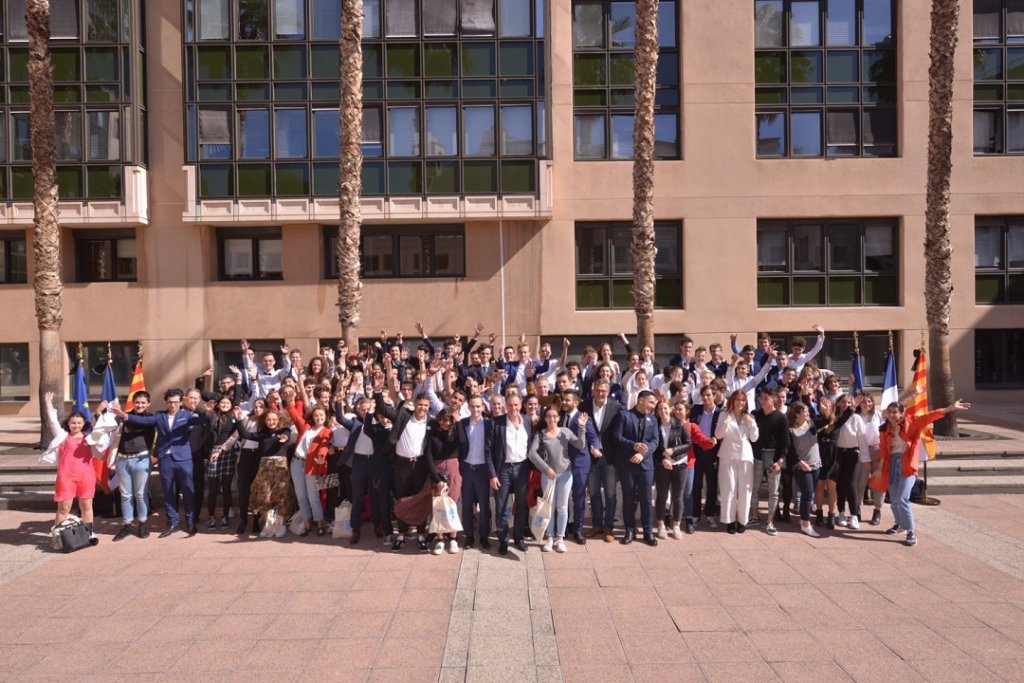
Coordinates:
[855,605]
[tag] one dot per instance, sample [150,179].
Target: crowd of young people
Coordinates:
[392,422]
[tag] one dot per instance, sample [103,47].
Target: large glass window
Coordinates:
[999,359]
[999,260]
[404,251]
[837,353]
[827,263]
[14,385]
[825,74]
[453,94]
[13,264]
[250,254]
[604,265]
[998,77]
[602,68]
[106,256]
[122,356]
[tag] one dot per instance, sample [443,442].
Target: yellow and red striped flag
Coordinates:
[138,384]
[919,405]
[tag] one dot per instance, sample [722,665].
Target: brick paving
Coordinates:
[850,606]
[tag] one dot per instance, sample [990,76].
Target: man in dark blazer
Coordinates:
[603,409]
[174,453]
[476,464]
[361,451]
[705,469]
[580,458]
[511,444]
[635,435]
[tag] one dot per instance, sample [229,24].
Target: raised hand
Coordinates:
[245,346]
[491,338]
[48,399]
[419,328]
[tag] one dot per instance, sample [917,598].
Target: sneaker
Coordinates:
[770,529]
[124,533]
[438,548]
[842,521]
[211,523]
[876,518]
[853,522]
[422,544]
[911,539]
[810,531]
[662,532]
[143,530]
[548,545]
[223,522]
[398,544]
[453,546]
[893,530]
[712,522]
[690,526]
[753,521]
[676,533]
[560,546]
[281,531]
[389,539]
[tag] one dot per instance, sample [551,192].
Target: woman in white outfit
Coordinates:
[735,431]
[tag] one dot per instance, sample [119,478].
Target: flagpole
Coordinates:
[925,500]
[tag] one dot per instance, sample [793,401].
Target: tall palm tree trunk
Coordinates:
[645,65]
[938,278]
[46,282]
[351,185]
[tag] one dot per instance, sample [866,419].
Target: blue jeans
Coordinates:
[602,505]
[805,483]
[899,492]
[563,487]
[305,492]
[134,476]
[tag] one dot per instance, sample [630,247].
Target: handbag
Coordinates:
[444,516]
[541,513]
[326,481]
[342,521]
[71,535]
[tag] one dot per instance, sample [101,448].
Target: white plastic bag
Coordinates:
[272,524]
[444,515]
[297,524]
[541,513]
[342,521]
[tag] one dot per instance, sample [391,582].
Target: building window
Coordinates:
[998,359]
[602,76]
[404,251]
[825,75]
[998,77]
[13,264]
[106,256]
[837,353]
[94,355]
[827,263]
[999,261]
[453,96]
[228,352]
[604,265]
[250,254]
[14,384]
[98,93]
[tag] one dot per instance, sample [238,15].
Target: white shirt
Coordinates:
[516,443]
[410,444]
[170,421]
[340,435]
[475,437]
[302,448]
[599,415]
[849,433]
[364,444]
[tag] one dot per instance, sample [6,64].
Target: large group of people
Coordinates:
[688,445]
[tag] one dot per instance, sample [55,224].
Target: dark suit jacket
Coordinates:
[172,443]
[695,415]
[631,428]
[488,424]
[604,431]
[498,444]
[580,457]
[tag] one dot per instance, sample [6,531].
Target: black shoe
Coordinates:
[398,544]
[468,543]
[628,537]
[143,530]
[520,545]
[892,531]
[168,531]
[530,536]
[191,529]
[876,518]
[422,544]
[785,515]
[124,533]
[240,531]
[740,528]
[831,522]
[485,544]
[690,527]
[257,524]
[579,537]
[503,547]
[731,527]
[649,539]
[819,518]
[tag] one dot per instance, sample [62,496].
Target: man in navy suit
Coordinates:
[510,448]
[580,458]
[636,438]
[174,453]
[476,464]
[603,409]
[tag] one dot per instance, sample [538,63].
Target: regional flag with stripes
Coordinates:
[919,406]
[138,384]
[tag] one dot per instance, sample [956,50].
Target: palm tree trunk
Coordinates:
[938,279]
[350,186]
[645,65]
[46,282]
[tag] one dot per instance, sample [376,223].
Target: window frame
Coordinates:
[1001,107]
[111,238]
[8,239]
[395,233]
[6,372]
[256,236]
[1012,278]
[999,368]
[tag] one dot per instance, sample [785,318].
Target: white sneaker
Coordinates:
[854,523]
[770,529]
[677,533]
[438,548]
[389,539]
[712,522]
[281,531]
[662,532]
[842,521]
[453,546]
[560,546]
[809,530]
[548,545]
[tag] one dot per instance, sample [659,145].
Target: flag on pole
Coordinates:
[102,444]
[919,406]
[890,392]
[138,384]
[858,375]
[80,394]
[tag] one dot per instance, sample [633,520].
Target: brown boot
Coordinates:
[595,532]
[355,538]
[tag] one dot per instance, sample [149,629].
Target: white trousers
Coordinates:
[735,483]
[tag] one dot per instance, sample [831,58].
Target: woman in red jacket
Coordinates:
[310,462]
[897,461]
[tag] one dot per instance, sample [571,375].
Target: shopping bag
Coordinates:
[296,524]
[342,521]
[273,525]
[541,513]
[444,516]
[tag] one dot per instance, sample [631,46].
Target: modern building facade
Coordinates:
[198,145]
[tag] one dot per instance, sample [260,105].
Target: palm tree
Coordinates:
[350,185]
[646,66]
[938,278]
[46,235]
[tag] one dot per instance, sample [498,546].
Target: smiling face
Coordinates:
[76,423]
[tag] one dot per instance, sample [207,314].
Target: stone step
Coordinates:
[969,483]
